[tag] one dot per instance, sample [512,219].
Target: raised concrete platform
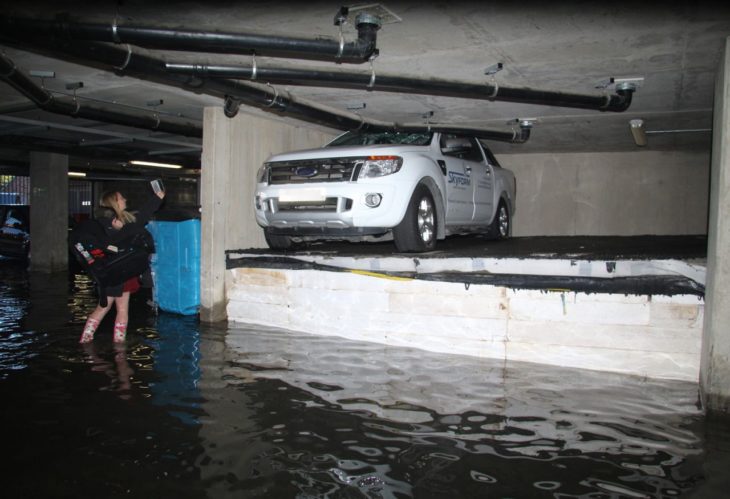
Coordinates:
[630,305]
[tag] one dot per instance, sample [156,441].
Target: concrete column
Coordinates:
[214,195]
[233,150]
[48,212]
[715,364]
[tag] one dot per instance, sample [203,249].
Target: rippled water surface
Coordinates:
[184,410]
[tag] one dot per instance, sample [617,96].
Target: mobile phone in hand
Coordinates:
[157,186]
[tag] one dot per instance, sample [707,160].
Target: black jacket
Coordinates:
[143,216]
[133,245]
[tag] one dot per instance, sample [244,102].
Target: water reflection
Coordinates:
[184,410]
[118,370]
[176,360]
[391,421]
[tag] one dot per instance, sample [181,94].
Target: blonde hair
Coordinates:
[109,200]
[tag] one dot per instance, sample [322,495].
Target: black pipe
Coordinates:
[358,51]
[48,102]
[447,88]
[513,136]
[145,67]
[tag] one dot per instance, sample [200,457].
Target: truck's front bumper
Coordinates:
[341,210]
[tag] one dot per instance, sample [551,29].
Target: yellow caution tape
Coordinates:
[381,275]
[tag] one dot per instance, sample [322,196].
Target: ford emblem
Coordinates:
[306,171]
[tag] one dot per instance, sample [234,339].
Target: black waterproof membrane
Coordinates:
[601,248]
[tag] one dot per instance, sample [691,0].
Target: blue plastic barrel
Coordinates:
[176,265]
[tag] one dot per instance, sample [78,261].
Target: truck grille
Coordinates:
[328,205]
[313,170]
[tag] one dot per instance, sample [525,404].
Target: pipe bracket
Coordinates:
[276,95]
[362,123]
[115,33]
[341,48]
[78,107]
[372,75]
[254,68]
[496,89]
[126,60]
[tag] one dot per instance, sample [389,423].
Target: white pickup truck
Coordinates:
[412,187]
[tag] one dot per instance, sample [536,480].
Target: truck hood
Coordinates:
[347,151]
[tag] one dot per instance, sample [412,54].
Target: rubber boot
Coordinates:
[120,332]
[89,329]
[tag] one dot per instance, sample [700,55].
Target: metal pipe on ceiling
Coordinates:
[233,92]
[11,75]
[357,51]
[388,83]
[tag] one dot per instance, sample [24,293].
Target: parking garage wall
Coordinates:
[622,193]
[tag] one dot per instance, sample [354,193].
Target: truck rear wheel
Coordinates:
[417,231]
[500,228]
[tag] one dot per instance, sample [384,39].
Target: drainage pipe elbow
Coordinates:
[621,100]
[364,48]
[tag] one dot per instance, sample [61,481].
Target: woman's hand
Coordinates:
[117,224]
[160,194]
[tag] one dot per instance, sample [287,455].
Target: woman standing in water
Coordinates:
[118,225]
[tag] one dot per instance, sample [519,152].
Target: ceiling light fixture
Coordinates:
[42,74]
[76,174]
[640,133]
[637,130]
[156,165]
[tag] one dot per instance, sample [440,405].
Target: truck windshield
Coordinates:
[369,138]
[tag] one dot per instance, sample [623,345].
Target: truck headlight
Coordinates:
[380,166]
[262,175]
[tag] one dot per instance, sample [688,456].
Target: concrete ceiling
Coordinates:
[568,47]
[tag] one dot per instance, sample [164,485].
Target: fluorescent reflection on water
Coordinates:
[184,410]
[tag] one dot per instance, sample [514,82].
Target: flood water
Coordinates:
[186,410]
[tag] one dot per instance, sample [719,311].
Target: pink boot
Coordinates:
[120,332]
[89,329]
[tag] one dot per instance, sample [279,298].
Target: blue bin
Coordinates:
[176,265]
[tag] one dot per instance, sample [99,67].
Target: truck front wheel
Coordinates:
[417,231]
[278,242]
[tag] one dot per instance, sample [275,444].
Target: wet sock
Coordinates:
[89,329]
[120,331]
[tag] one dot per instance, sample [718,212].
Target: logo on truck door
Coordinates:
[459,179]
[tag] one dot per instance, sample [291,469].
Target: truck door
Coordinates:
[459,179]
[483,177]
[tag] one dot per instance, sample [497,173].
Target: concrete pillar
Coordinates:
[233,150]
[214,195]
[715,364]
[48,212]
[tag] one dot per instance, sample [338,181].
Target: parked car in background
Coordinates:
[412,187]
[15,231]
